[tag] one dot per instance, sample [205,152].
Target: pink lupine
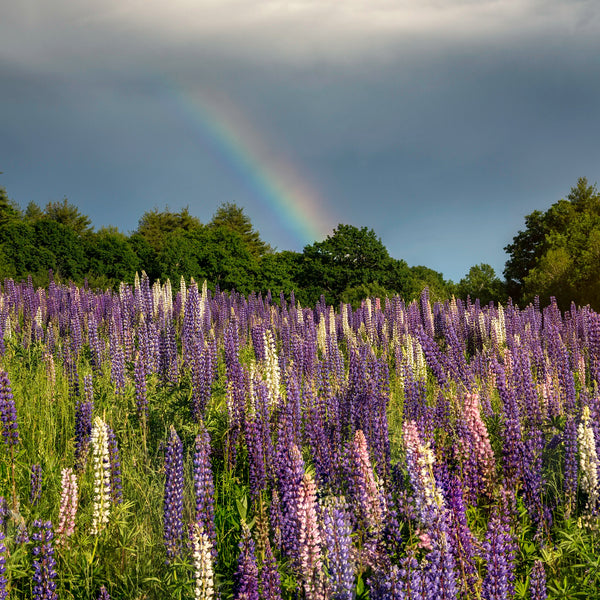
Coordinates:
[68,506]
[366,490]
[309,541]
[480,446]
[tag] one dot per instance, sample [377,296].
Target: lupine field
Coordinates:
[178,443]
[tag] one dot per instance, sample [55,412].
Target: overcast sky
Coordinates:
[440,124]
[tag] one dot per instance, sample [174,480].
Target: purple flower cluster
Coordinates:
[173,498]
[8,412]
[44,564]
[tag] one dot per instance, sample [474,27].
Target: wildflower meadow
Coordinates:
[187,443]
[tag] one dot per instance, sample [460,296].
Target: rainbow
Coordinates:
[271,178]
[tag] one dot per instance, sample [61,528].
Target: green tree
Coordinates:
[423,277]
[348,258]
[232,217]
[481,282]
[155,226]
[111,258]
[278,272]
[68,214]
[558,254]
[9,211]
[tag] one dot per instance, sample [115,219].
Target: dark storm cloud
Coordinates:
[440,126]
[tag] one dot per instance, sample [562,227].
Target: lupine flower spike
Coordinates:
[101,461]
[44,565]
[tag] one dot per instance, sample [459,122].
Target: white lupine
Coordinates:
[499,326]
[348,333]
[332,325]
[202,554]
[182,293]
[168,297]
[156,296]
[322,335]
[272,372]
[101,464]
[588,458]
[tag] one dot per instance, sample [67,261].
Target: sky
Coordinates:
[439,124]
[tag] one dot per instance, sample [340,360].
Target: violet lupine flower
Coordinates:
[36,484]
[68,506]
[571,467]
[116,485]
[8,412]
[462,541]
[83,424]
[247,572]
[498,554]
[537,585]
[173,501]
[309,541]
[44,565]
[338,543]
[3,581]
[103,595]
[440,571]
[290,481]
[269,578]
[204,487]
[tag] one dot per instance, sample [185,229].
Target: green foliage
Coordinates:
[481,282]
[111,256]
[232,217]
[558,254]
[68,214]
[348,258]
[156,226]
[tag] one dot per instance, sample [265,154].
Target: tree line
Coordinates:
[557,254]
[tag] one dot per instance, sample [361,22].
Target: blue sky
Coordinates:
[439,124]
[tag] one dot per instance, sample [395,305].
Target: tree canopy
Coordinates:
[558,253]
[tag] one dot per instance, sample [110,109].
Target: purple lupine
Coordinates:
[537,585]
[83,424]
[3,581]
[440,571]
[461,539]
[269,578]
[246,576]
[499,557]
[204,486]
[173,500]
[116,484]
[44,564]
[8,412]
[103,595]
[290,481]
[570,463]
[338,544]
[36,484]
